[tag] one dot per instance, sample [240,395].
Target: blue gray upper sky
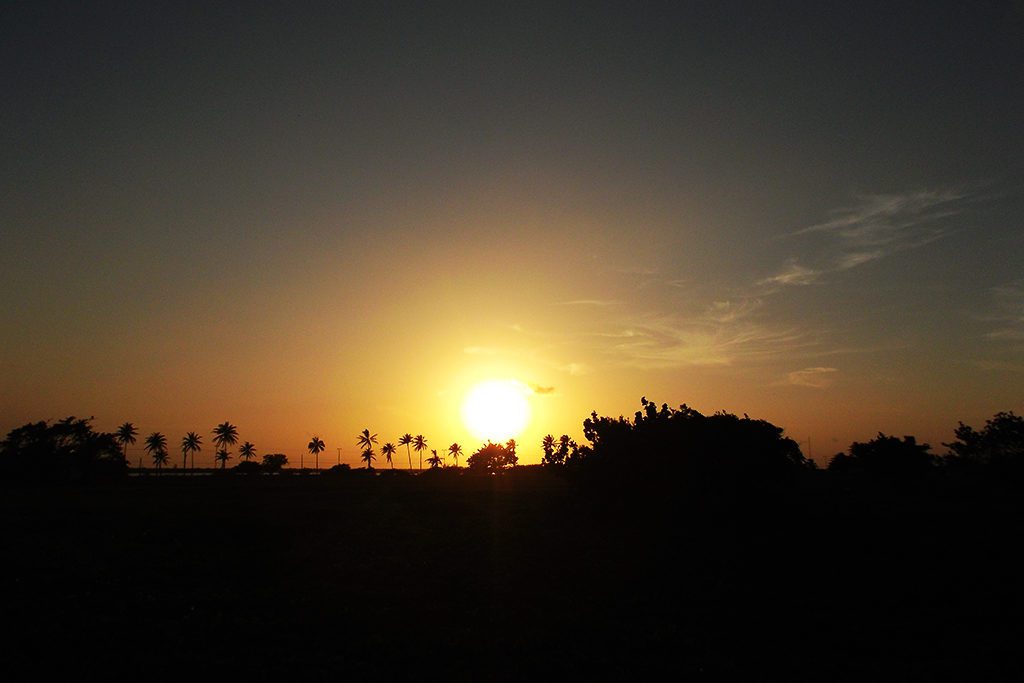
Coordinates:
[321,216]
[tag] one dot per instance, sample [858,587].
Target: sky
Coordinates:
[315,218]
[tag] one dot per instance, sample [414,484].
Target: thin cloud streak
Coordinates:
[1007,314]
[657,341]
[877,226]
[601,303]
[813,378]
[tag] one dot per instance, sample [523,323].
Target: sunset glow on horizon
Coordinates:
[319,222]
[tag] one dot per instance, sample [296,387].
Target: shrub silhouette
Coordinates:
[274,462]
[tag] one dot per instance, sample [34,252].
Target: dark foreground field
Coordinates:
[508,578]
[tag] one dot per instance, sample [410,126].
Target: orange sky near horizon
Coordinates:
[319,222]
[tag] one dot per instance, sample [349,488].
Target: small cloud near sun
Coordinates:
[538,389]
[815,378]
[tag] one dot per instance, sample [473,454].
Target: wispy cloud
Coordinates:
[725,334]
[601,303]
[1007,316]
[538,389]
[792,274]
[814,378]
[874,227]
[576,369]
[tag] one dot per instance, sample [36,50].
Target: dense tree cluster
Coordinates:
[999,443]
[493,458]
[66,450]
[685,442]
[886,457]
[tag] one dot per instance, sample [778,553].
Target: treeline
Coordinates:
[675,446]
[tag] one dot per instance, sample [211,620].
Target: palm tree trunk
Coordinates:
[410,455]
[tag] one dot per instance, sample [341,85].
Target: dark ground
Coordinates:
[509,578]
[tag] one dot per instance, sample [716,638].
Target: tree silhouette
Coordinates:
[388,450]
[366,440]
[368,457]
[67,450]
[548,446]
[274,462]
[225,434]
[682,444]
[405,440]
[126,435]
[316,447]
[492,458]
[999,443]
[510,446]
[222,457]
[419,444]
[190,443]
[455,450]
[566,452]
[247,451]
[156,446]
[886,457]
[434,460]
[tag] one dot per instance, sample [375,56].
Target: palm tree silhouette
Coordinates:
[366,440]
[419,444]
[388,450]
[222,457]
[126,435]
[156,445]
[190,443]
[225,434]
[247,451]
[316,447]
[368,457]
[455,450]
[434,460]
[510,446]
[548,445]
[405,440]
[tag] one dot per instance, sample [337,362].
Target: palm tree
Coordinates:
[366,440]
[434,460]
[222,457]
[510,446]
[247,451]
[419,444]
[225,434]
[388,450]
[126,435]
[190,443]
[316,447]
[156,445]
[455,450]
[368,457]
[405,440]
[548,445]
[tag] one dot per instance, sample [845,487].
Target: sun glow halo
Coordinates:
[496,409]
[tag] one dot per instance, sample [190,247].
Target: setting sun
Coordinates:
[496,409]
